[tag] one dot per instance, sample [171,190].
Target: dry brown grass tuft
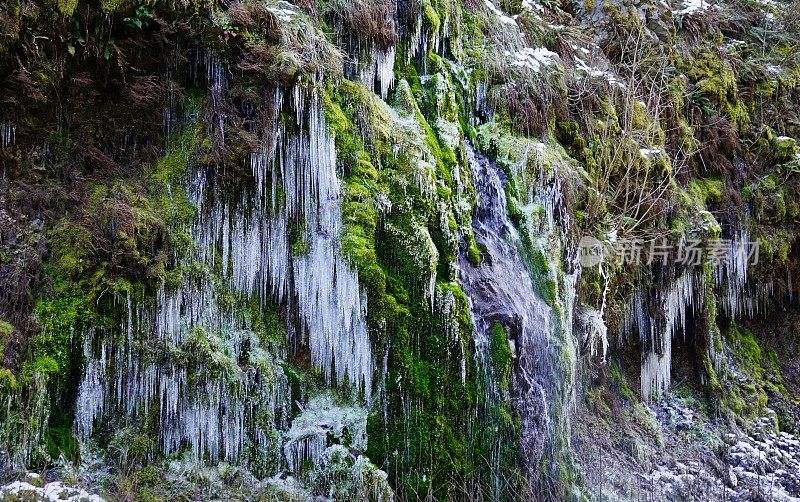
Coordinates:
[371,20]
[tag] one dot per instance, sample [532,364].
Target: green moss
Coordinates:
[430,17]
[749,396]
[6,330]
[706,190]
[501,355]
[67,7]
[60,440]
[167,182]
[473,251]
[57,318]
[597,401]
[715,86]
[615,372]
[543,277]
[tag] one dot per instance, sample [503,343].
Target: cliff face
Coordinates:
[390,249]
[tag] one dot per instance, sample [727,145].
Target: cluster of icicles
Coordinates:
[208,405]
[7,134]
[317,282]
[682,297]
[659,316]
[231,395]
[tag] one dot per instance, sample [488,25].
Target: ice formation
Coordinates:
[323,420]
[657,317]
[380,69]
[217,389]
[7,134]
[596,334]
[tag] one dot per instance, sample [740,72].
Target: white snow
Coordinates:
[650,152]
[283,11]
[51,492]
[531,58]
[692,6]
[500,15]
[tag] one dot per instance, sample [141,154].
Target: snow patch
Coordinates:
[51,492]
[692,6]
[500,15]
[531,58]
[283,11]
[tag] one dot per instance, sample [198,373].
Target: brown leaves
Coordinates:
[146,89]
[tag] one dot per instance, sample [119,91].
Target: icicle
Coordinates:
[380,68]
[215,417]
[91,393]
[596,331]
[217,87]
[7,134]
[683,296]
[656,367]
[417,40]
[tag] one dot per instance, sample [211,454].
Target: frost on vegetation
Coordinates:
[409,141]
[539,172]
[449,133]
[285,489]
[321,422]
[595,331]
[50,492]
[342,474]
[417,242]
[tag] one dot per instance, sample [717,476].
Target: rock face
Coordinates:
[378,249]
